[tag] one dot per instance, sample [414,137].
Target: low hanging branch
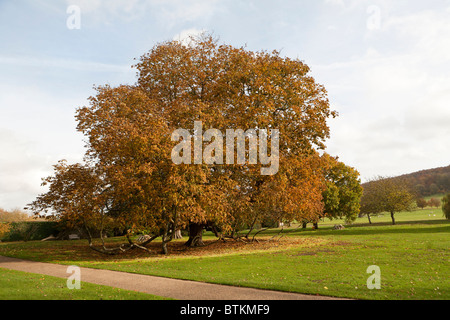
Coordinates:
[103,249]
[119,249]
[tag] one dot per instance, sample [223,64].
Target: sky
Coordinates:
[384,63]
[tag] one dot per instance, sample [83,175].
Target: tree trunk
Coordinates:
[304,225]
[393,219]
[368,217]
[315,226]
[195,235]
[164,248]
[177,234]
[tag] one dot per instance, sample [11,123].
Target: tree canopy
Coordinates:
[343,192]
[387,195]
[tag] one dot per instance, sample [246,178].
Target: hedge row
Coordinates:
[30,230]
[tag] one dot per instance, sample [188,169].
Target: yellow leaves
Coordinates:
[4,228]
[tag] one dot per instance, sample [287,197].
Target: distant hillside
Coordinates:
[429,182]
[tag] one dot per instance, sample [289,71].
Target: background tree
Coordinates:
[429,182]
[387,195]
[14,215]
[434,188]
[434,202]
[421,203]
[343,194]
[446,206]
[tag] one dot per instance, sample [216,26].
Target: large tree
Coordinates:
[129,132]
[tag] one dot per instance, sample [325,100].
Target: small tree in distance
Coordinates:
[421,203]
[343,193]
[435,203]
[387,195]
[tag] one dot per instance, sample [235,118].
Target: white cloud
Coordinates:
[345,4]
[185,35]
[394,100]
[22,168]
[167,12]
[335,2]
[30,61]
[112,8]
[34,134]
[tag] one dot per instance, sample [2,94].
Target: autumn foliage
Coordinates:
[9,216]
[128,179]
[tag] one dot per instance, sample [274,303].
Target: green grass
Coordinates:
[427,214]
[413,257]
[413,261]
[437,196]
[18,285]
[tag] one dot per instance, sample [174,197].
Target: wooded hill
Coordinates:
[429,182]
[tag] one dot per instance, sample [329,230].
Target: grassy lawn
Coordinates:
[427,214]
[437,196]
[413,257]
[17,285]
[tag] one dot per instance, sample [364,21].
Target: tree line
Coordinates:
[429,182]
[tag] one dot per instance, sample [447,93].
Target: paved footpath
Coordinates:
[164,287]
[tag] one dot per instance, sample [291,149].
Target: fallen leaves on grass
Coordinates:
[79,251]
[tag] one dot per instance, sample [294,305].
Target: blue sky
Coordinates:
[385,64]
